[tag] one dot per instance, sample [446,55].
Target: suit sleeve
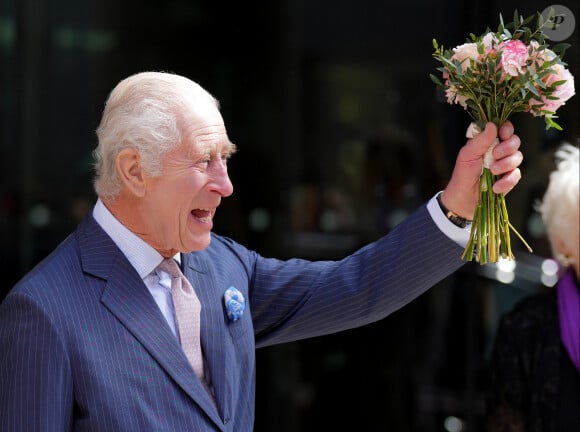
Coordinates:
[298,299]
[35,374]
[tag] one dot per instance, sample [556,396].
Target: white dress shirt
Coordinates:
[457,234]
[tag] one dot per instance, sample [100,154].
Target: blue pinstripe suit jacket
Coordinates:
[84,347]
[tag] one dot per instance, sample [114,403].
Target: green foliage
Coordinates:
[493,95]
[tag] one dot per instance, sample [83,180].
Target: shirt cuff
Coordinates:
[455,233]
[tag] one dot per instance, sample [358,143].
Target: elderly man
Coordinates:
[106,334]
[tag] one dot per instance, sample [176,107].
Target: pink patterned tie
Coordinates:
[187,314]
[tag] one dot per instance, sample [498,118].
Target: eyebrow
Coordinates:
[207,145]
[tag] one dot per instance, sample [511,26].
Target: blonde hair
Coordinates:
[143,112]
[560,206]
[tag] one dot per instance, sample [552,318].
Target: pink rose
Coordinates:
[563,92]
[514,56]
[465,52]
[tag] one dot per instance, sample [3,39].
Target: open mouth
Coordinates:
[202,215]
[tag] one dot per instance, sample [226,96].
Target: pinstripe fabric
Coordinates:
[84,347]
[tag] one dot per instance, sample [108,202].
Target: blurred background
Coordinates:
[341,134]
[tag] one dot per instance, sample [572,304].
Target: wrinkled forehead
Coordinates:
[200,111]
[211,142]
[204,128]
[202,119]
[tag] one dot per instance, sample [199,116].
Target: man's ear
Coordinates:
[130,171]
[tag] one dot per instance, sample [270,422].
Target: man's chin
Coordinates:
[200,243]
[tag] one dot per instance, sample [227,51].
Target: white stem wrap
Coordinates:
[488,158]
[472,130]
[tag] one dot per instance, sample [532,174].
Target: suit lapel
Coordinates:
[127,297]
[199,273]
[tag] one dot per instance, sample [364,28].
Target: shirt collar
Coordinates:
[140,254]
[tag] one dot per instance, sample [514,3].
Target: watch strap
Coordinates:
[461,222]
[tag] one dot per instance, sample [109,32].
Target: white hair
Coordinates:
[143,112]
[560,206]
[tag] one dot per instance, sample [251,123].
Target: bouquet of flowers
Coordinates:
[493,76]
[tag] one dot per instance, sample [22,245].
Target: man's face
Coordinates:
[180,204]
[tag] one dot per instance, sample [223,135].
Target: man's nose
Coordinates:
[221,180]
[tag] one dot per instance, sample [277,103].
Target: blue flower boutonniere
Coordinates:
[235,303]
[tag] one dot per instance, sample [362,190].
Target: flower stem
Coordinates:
[489,238]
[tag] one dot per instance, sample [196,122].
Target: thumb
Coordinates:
[477,146]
